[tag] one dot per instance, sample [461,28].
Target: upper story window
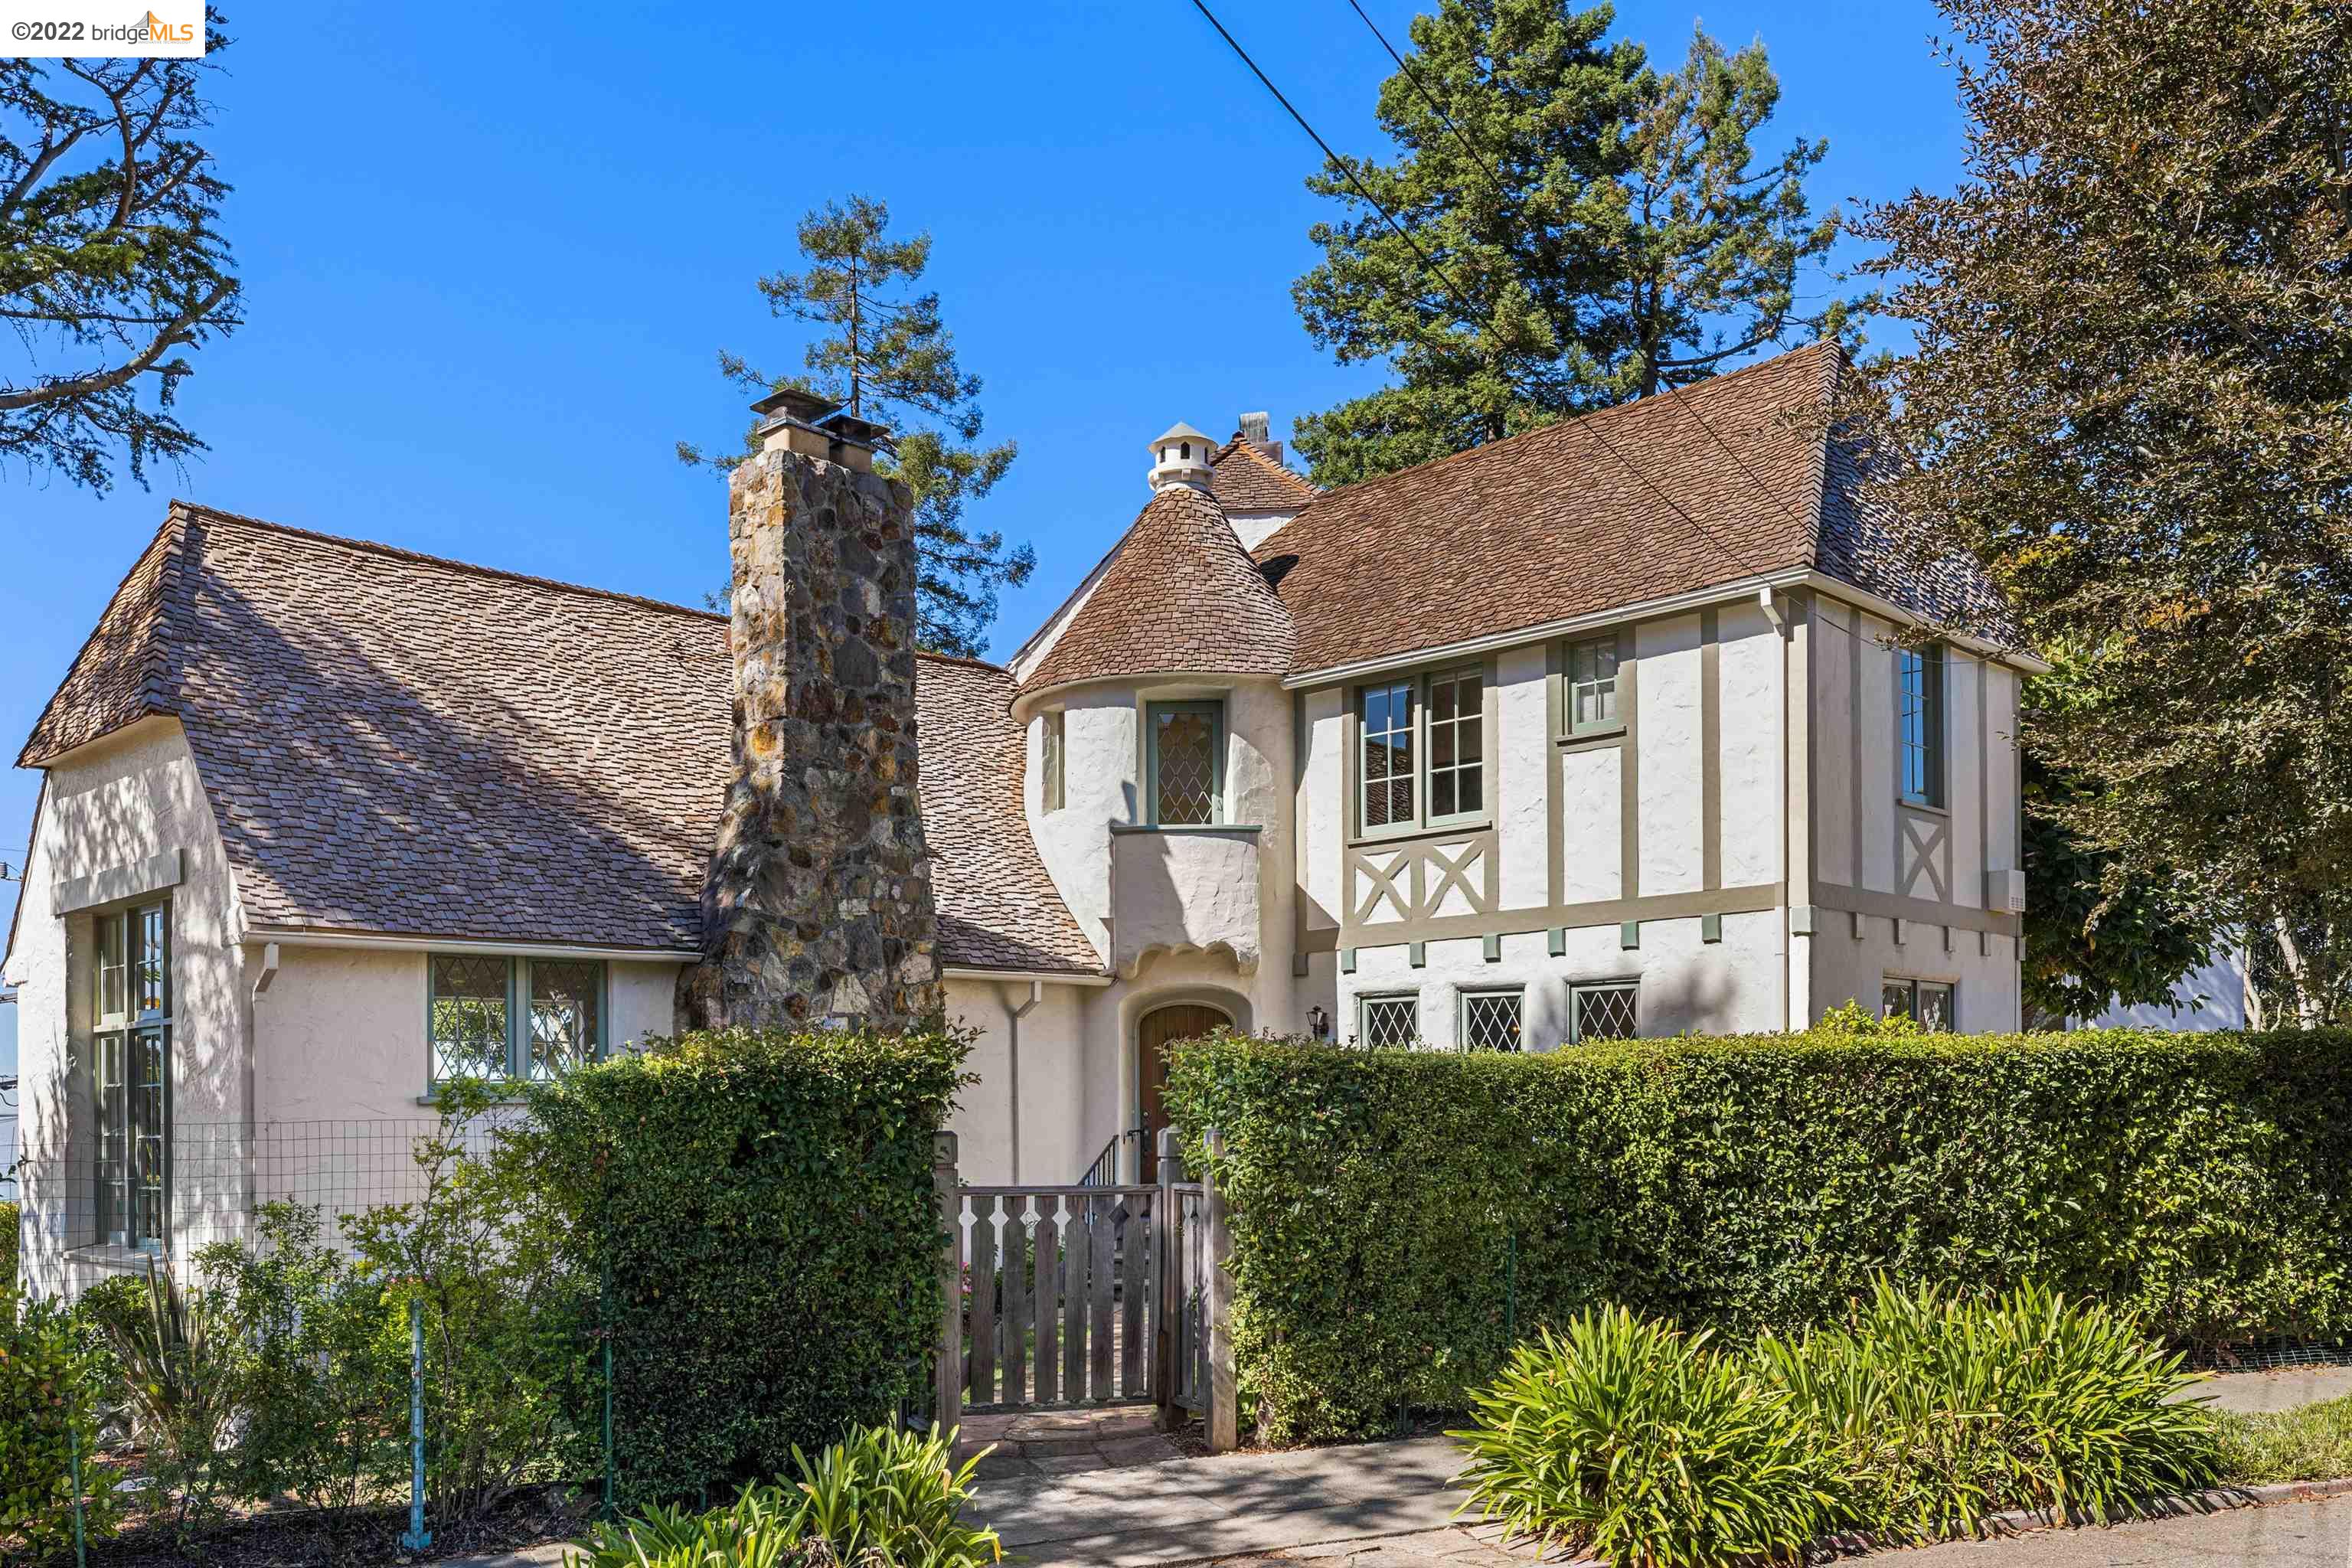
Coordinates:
[1423,760]
[1592,685]
[131,1072]
[1185,769]
[1919,724]
[1052,764]
[513,1019]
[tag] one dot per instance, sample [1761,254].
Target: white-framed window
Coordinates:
[1493,1019]
[1592,697]
[1931,1002]
[1390,1022]
[131,1072]
[1919,729]
[1051,765]
[1605,1010]
[504,1020]
[1422,758]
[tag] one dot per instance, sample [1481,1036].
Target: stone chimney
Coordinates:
[817,907]
[1180,458]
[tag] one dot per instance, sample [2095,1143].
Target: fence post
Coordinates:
[947,1412]
[1225,1396]
[605,1327]
[416,1538]
[1167,1223]
[73,1439]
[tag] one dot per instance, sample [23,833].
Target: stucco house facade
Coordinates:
[1638,723]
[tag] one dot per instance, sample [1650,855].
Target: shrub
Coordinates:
[761,1207]
[1628,1440]
[1943,1408]
[1402,1217]
[882,1497]
[1624,1439]
[180,1379]
[52,1389]
[326,1395]
[12,1221]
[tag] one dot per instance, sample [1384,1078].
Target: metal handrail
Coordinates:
[1104,1172]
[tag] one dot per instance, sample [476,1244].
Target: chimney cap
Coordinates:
[792,403]
[1180,431]
[845,425]
[1253,426]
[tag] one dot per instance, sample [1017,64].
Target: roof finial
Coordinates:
[1181,457]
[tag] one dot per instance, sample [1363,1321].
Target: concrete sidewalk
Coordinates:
[1233,1504]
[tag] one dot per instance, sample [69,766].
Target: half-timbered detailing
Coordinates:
[1923,855]
[1406,885]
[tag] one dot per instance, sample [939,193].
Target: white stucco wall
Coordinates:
[1731,987]
[1517,775]
[2210,996]
[1666,726]
[1750,727]
[1068,1083]
[1986,981]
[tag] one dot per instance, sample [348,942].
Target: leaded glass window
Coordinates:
[1612,1012]
[1928,1001]
[1920,744]
[564,1024]
[130,1073]
[1187,762]
[469,1009]
[1457,730]
[1490,1020]
[1592,685]
[1387,1022]
[1386,722]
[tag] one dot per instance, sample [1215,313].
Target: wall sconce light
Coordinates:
[1318,1023]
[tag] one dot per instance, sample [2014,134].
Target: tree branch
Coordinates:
[138,364]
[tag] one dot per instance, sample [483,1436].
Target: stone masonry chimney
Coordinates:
[817,908]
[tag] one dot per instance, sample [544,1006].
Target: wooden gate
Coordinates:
[1069,1297]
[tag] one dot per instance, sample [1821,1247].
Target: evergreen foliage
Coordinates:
[761,1208]
[884,351]
[1402,1217]
[2133,402]
[109,261]
[1599,230]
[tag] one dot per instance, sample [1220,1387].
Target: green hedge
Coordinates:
[763,1205]
[1402,1217]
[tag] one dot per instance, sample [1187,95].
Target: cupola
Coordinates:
[1181,457]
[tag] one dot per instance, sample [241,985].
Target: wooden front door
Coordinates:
[1154,1032]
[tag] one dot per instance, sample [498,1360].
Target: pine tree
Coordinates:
[1594,230]
[2133,401]
[109,262]
[883,351]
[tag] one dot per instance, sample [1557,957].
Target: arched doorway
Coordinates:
[1153,1034]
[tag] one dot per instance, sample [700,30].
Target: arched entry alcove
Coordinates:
[1154,1030]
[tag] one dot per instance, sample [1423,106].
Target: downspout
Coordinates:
[1012,1016]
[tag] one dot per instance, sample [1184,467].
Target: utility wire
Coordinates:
[1582,423]
[1477,157]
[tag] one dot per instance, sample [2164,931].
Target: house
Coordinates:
[1646,721]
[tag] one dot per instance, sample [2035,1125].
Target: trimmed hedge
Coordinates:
[761,1205]
[1402,1217]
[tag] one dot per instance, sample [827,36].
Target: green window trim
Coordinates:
[1431,736]
[1935,1003]
[1491,1018]
[1388,1020]
[131,1052]
[1614,1007]
[1053,738]
[1184,789]
[1592,689]
[1919,720]
[509,1020]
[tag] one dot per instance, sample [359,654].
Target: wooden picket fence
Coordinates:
[1067,1296]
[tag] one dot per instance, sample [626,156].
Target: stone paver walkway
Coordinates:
[1028,1444]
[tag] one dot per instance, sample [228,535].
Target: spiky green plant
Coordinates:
[1641,1445]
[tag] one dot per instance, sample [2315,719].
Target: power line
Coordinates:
[1580,422]
[1477,157]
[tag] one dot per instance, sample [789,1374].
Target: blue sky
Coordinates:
[488,258]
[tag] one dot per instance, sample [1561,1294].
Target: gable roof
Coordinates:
[1580,517]
[398,743]
[1181,593]
[1245,476]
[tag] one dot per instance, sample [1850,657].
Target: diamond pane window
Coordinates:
[1050,745]
[1592,685]
[1490,1020]
[1386,719]
[469,1017]
[1187,747]
[564,1016]
[1457,729]
[1389,1022]
[1606,1013]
